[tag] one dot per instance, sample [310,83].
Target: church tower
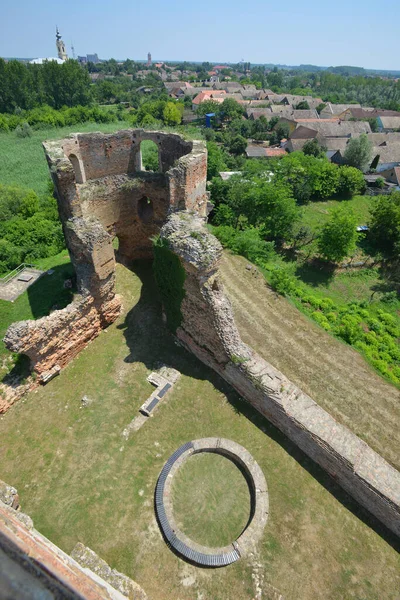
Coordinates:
[60,46]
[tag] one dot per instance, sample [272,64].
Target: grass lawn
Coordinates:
[211,500]
[46,293]
[315,214]
[22,161]
[81,481]
[330,371]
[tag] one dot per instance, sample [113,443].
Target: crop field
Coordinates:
[80,480]
[330,371]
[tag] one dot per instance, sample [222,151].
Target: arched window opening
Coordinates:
[145,209]
[77,168]
[150,156]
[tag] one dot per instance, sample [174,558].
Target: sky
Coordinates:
[360,33]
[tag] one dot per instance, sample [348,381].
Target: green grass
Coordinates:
[46,293]
[315,214]
[211,500]
[22,161]
[81,481]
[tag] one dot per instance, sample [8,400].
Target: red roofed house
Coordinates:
[216,95]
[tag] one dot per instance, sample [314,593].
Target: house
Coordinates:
[389,123]
[392,175]
[334,110]
[292,100]
[257,151]
[256,113]
[367,113]
[217,96]
[383,139]
[303,133]
[385,157]
[336,128]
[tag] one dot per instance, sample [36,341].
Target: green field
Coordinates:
[315,214]
[22,160]
[23,163]
[211,500]
[45,294]
[81,481]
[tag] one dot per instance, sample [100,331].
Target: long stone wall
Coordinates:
[208,330]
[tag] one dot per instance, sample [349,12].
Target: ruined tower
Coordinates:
[61,51]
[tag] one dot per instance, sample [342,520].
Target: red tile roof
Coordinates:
[211,95]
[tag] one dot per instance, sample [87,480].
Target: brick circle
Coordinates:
[203,555]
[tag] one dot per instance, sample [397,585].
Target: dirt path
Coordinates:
[331,372]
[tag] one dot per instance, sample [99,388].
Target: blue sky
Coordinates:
[344,32]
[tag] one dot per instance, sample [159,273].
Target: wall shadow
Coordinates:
[48,292]
[150,342]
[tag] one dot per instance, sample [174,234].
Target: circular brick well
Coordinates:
[203,555]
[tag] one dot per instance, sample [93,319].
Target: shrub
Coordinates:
[380,182]
[321,320]
[281,282]
[23,131]
[351,181]
[339,235]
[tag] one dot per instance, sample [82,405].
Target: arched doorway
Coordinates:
[79,175]
[150,156]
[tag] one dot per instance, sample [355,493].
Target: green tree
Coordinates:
[351,182]
[385,224]
[230,109]
[313,148]
[358,152]
[208,106]
[237,144]
[172,114]
[303,105]
[216,160]
[339,235]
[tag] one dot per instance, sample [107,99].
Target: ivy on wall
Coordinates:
[170,277]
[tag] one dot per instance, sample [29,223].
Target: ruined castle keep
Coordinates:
[103,193]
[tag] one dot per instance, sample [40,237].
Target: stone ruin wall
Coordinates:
[107,204]
[208,330]
[103,194]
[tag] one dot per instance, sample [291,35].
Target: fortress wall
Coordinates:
[115,198]
[208,330]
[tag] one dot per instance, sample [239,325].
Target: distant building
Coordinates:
[82,60]
[62,54]
[61,51]
[92,58]
[149,59]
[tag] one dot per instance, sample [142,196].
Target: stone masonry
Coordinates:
[103,194]
[208,330]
